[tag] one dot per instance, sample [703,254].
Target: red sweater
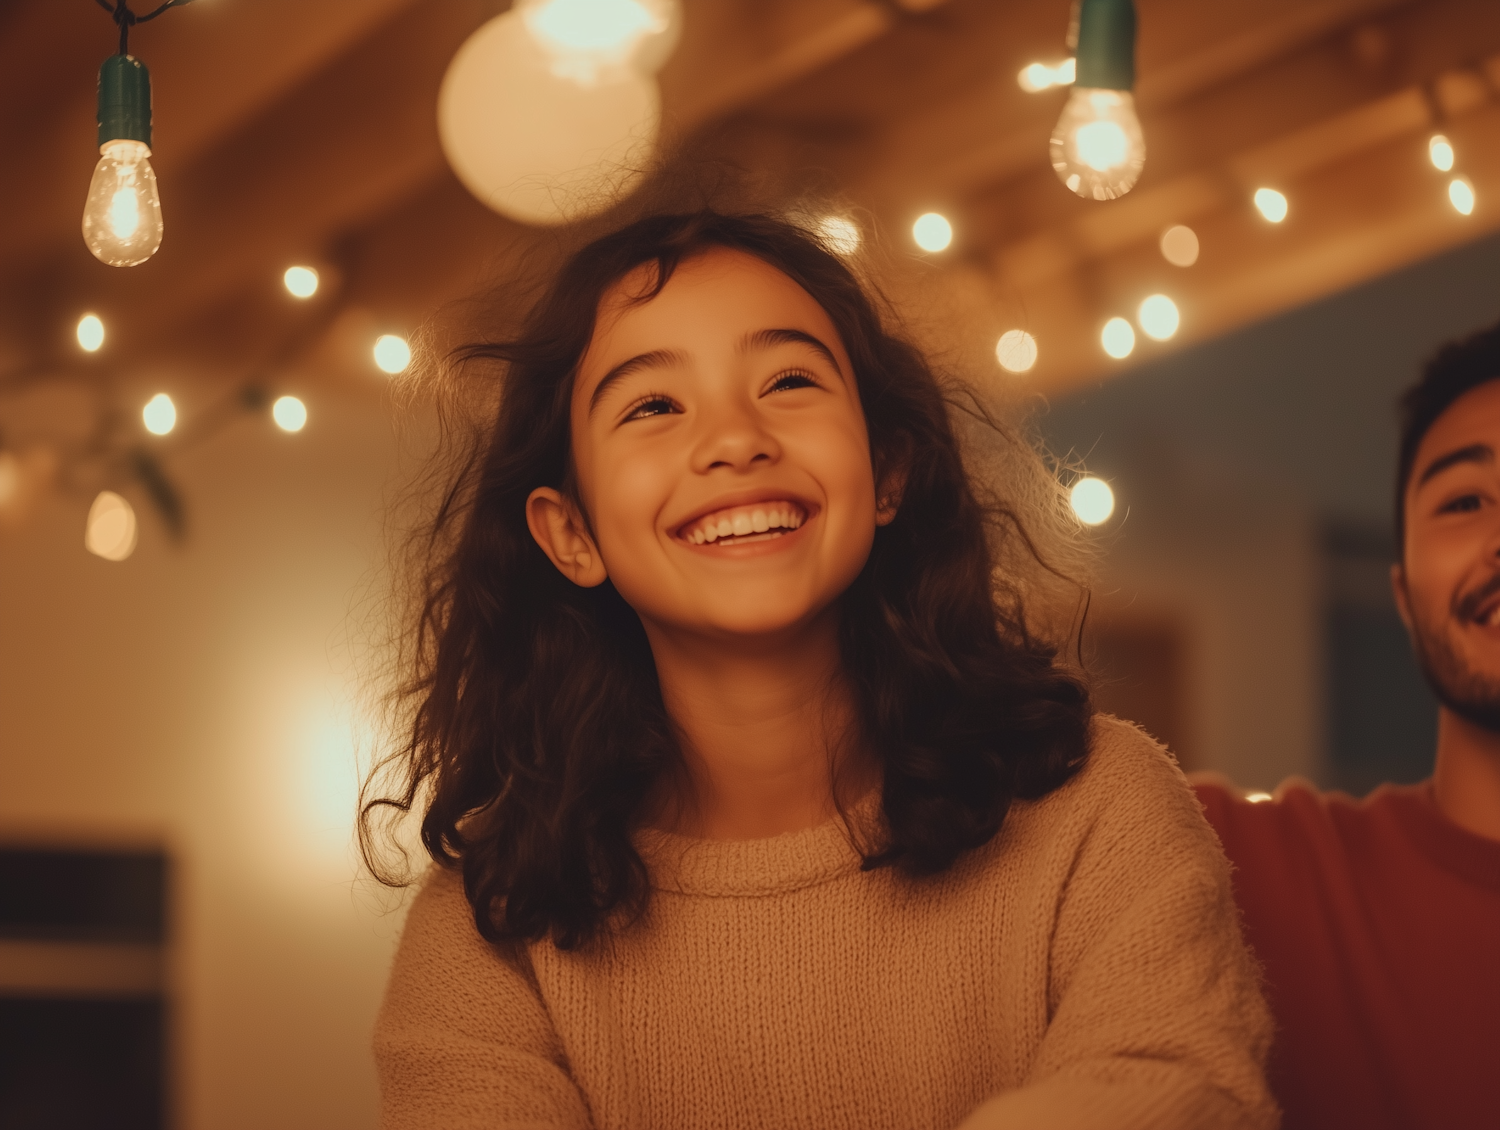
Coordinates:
[1378,923]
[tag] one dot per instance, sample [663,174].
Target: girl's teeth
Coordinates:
[760,522]
[726,528]
[742,525]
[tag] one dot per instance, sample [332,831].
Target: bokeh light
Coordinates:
[1179,245]
[111,530]
[392,354]
[1461,195]
[1016,351]
[932,231]
[1272,204]
[289,413]
[1159,317]
[90,333]
[301,282]
[1118,338]
[1092,501]
[1440,152]
[840,233]
[159,415]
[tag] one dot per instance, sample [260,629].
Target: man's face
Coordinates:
[1448,584]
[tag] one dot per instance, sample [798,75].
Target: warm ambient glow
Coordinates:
[1039,76]
[159,415]
[1092,501]
[1159,317]
[1461,195]
[301,282]
[1271,203]
[1440,152]
[1179,246]
[392,354]
[1016,351]
[932,232]
[122,215]
[110,531]
[90,333]
[1097,147]
[289,413]
[840,233]
[1118,338]
[1257,798]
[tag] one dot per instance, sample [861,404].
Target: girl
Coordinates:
[755,799]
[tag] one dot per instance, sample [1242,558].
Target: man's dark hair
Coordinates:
[1454,370]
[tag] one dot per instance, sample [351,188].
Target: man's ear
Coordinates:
[890,485]
[559,529]
[1398,590]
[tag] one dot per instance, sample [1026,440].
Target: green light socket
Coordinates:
[124,100]
[1106,44]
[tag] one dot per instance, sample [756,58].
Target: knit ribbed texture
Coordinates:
[1082,970]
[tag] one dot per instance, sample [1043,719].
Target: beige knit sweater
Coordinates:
[1082,970]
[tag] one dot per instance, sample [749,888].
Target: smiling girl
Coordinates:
[756,800]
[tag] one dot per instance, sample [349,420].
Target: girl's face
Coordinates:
[721,453]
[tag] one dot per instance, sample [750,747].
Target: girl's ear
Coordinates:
[560,530]
[890,485]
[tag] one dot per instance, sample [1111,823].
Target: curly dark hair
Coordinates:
[536,730]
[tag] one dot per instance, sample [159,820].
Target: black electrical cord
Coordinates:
[126,19]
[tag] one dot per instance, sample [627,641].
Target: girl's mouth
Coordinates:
[736,525]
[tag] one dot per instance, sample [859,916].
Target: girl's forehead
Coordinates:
[715,296]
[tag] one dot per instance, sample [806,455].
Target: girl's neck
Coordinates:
[764,727]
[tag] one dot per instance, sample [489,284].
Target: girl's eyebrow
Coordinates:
[656,359]
[765,339]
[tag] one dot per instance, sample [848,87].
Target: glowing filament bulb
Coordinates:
[1097,147]
[1440,152]
[122,215]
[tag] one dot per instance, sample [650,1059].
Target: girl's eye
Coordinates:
[1461,505]
[792,380]
[654,404]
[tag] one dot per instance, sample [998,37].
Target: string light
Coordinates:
[1097,148]
[840,233]
[1271,203]
[1159,317]
[159,415]
[1179,246]
[1092,501]
[392,354]
[1016,351]
[1440,152]
[300,282]
[289,413]
[111,529]
[122,223]
[932,232]
[90,333]
[1036,77]
[1117,338]
[1461,195]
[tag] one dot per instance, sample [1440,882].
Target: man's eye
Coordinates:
[1460,505]
[651,406]
[789,381]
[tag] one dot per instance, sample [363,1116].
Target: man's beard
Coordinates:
[1472,696]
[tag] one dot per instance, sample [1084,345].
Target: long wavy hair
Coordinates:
[534,730]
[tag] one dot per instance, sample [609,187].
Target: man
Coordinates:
[1378,920]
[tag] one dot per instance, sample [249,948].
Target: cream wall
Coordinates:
[204,697]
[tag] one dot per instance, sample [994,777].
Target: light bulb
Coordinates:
[392,354]
[1097,147]
[289,413]
[111,530]
[122,216]
[1461,195]
[90,333]
[1016,351]
[1440,152]
[1092,501]
[1117,338]
[932,231]
[159,415]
